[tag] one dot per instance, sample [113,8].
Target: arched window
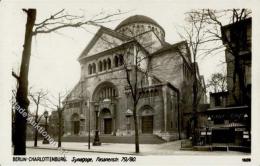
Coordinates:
[107,93]
[116,61]
[89,69]
[93,68]
[104,64]
[108,63]
[100,65]
[121,60]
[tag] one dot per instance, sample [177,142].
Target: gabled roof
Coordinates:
[169,47]
[174,47]
[163,43]
[101,31]
[162,81]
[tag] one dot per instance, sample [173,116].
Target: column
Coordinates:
[113,112]
[164,91]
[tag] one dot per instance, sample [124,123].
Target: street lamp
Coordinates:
[209,118]
[96,139]
[246,134]
[208,132]
[87,104]
[245,116]
[45,114]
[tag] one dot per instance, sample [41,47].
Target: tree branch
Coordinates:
[15,75]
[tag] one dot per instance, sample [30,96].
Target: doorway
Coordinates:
[108,125]
[147,124]
[76,127]
[75,124]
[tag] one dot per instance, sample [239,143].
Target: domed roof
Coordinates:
[138,19]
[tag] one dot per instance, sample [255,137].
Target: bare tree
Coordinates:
[37,98]
[59,104]
[22,91]
[13,100]
[195,36]
[217,82]
[216,21]
[57,21]
[135,76]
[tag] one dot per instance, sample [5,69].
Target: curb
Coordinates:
[79,150]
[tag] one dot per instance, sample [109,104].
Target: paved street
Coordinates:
[169,148]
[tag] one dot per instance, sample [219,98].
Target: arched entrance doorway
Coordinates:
[105,101]
[106,121]
[147,119]
[75,124]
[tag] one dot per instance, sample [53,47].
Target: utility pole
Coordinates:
[88,124]
[60,128]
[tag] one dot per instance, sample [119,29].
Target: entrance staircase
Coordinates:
[143,139]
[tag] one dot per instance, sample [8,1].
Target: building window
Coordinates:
[217,101]
[104,64]
[93,68]
[89,69]
[107,93]
[116,61]
[108,63]
[100,66]
[74,105]
[121,60]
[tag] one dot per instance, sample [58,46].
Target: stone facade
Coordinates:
[165,90]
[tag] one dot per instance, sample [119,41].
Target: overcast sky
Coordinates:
[54,64]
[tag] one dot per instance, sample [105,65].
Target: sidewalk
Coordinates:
[128,149]
[169,148]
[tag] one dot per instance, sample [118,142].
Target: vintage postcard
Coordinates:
[129,82]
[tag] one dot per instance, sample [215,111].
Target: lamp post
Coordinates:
[246,134]
[87,104]
[96,138]
[208,133]
[45,114]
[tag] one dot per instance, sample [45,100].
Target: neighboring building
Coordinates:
[219,99]
[166,89]
[239,34]
[229,114]
[202,91]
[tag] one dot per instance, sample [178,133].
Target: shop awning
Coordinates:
[229,125]
[228,108]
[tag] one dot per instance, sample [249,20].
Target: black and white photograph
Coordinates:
[129,82]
